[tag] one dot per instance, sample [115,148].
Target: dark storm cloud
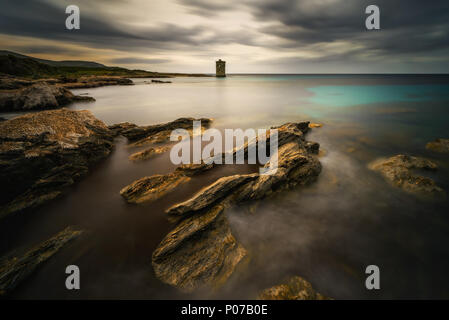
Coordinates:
[45,20]
[408,26]
[131,60]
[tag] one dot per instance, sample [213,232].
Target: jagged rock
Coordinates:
[183,261]
[16,269]
[295,289]
[439,145]
[41,153]
[118,128]
[210,195]
[199,251]
[398,170]
[152,188]
[38,96]
[155,133]
[148,153]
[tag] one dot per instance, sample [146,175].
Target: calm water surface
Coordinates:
[327,232]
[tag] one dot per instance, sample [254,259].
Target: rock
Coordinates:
[148,153]
[160,81]
[38,96]
[199,251]
[192,251]
[141,135]
[295,289]
[398,170]
[439,145]
[208,196]
[118,128]
[152,188]
[315,125]
[41,153]
[2,119]
[15,270]
[12,83]
[97,81]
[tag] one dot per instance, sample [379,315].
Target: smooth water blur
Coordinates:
[327,232]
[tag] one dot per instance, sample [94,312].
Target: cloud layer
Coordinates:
[280,36]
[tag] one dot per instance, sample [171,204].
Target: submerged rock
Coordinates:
[191,255]
[41,153]
[16,269]
[439,145]
[38,96]
[399,171]
[295,289]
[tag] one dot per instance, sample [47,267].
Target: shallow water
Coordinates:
[327,232]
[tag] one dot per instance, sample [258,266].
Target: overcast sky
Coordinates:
[253,36]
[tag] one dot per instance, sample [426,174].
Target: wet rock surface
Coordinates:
[295,289]
[439,145]
[37,97]
[152,188]
[158,133]
[14,270]
[201,243]
[42,153]
[148,153]
[400,172]
[199,251]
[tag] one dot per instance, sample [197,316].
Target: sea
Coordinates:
[328,232]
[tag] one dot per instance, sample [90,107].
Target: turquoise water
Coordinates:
[327,233]
[347,96]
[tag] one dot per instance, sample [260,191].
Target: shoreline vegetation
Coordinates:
[28,83]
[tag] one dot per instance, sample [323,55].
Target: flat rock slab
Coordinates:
[15,270]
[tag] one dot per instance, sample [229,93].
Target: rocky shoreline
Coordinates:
[201,250]
[42,153]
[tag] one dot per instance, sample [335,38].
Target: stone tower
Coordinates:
[220,68]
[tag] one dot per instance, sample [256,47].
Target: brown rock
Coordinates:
[38,96]
[148,153]
[295,289]
[152,188]
[398,170]
[41,153]
[193,250]
[199,251]
[439,145]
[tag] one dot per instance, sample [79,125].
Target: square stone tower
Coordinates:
[220,68]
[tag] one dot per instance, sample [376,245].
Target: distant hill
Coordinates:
[66,63]
[19,65]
